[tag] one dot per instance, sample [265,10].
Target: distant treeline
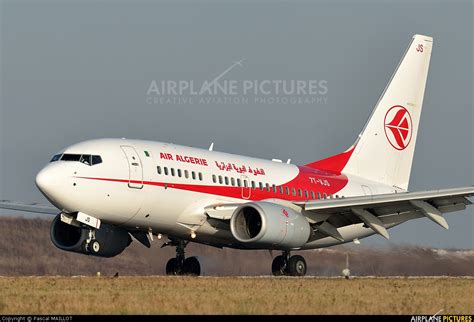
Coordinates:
[26,249]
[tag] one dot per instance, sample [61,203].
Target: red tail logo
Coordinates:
[398,127]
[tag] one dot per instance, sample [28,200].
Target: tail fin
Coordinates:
[385,148]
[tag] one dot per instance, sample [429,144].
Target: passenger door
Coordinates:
[135,167]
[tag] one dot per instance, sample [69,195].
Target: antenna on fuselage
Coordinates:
[288,161]
[211,147]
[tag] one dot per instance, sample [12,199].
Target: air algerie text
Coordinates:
[183,158]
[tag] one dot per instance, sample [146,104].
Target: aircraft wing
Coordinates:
[377,212]
[29,207]
[386,210]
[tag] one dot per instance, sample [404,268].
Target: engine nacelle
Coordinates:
[113,240]
[264,224]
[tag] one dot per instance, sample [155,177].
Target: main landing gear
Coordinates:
[181,265]
[286,265]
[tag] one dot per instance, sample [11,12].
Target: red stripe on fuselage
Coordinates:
[335,163]
[308,179]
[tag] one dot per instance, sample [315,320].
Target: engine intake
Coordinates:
[264,224]
[113,240]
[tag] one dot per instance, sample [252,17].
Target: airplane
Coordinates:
[108,190]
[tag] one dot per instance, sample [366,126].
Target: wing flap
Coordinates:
[430,212]
[436,197]
[372,221]
[380,212]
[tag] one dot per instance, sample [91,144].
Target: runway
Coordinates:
[236,295]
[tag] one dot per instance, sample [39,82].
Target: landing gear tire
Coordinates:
[180,265]
[85,248]
[94,247]
[297,266]
[191,266]
[172,267]
[278,264]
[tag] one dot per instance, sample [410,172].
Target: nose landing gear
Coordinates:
[181,265]
[286,265]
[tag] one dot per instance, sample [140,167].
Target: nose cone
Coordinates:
[45,181]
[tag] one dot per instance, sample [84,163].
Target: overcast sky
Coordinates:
[77,70]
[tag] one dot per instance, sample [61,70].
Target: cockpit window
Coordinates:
[56,157]
[71,157]
[87,159]
[96,159]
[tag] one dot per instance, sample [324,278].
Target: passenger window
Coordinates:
[200,176]
[287,190]
[245,183]
[232,181]
[186,174]
[158,168]
[226,180]
[300,193]
[239,183]
[253,184]
[166,171]
[306,194]
[267,186]
[86,159]
[312,195]
[274,188]
[220,179]
[319,195]
[56,157]
[260,185]
[281,189]
[179,173]
[172,172]
[214,178]
[293,191]
[325,195]
[193,175]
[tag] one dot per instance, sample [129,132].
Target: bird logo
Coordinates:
[398,127]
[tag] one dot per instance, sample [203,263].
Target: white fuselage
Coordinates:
[164,188]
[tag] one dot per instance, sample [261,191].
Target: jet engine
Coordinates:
[269,225]
[74,238]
